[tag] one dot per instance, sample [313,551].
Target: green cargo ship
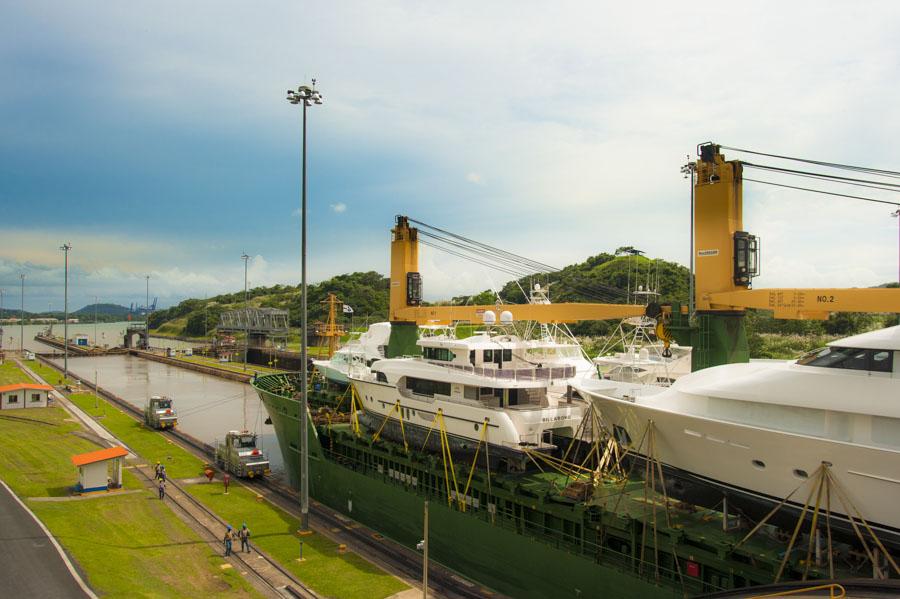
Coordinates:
[520,534]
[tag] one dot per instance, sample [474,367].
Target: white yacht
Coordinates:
[489,379]
[357,353]
[764,427]
[642,359]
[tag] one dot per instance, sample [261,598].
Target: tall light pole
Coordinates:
[1,316]
[96,299]
[66,247]
[245,258]
[688,171]
[147,315]
[897,215]
[22,317]
[307,96]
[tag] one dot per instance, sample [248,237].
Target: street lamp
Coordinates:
[245,258]
[147,315]
[897,215]
[688,171]
[22,317]
[66,247]
[307,96]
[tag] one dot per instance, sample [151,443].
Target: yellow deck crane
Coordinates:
[727,259]
[330,332]
[407,311]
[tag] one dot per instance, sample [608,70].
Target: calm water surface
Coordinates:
[207,406]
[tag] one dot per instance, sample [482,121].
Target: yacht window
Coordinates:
[426,387]
[470,392]
[472,357]
[882,361]
[488,356]
[850,358]
[507,355]
[380,377]
[438,353]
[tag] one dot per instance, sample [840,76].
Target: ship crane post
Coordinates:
[727,260]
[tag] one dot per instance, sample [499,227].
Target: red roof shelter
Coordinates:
[94,469]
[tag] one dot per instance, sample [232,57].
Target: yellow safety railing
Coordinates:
[832,588]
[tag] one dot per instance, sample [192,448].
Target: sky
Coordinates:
[156,139]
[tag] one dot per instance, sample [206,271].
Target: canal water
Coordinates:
[207,406]
[105,333]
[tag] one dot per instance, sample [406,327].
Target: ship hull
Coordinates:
[497,555]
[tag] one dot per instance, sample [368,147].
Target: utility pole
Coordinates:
[245,258]
[147,314]
[688,171]
[22,317]
[65,248]
[425,556]
[1,316]
[307,96]
[897,215]
[95,320]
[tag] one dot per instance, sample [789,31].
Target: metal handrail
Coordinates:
[514,374]
[830,587]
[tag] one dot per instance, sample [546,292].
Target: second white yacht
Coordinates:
[765,427]
[487,380]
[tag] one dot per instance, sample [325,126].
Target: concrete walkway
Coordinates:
[32,564]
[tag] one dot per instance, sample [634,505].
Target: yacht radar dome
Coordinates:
[489,317]
[506,317]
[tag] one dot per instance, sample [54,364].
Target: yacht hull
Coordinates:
[335,375]
[766,464]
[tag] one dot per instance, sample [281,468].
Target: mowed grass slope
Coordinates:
[149,444]
[10,374]
[128,544]
[326,571]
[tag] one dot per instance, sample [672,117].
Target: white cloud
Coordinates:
[474,178]
[339,207]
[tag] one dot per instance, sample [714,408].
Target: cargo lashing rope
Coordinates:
[824,482]
[387,417]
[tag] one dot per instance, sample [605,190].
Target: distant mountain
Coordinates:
[103,309]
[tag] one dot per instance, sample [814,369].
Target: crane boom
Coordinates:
[812,304]
[543,313]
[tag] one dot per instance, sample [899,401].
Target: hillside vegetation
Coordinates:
[603,278]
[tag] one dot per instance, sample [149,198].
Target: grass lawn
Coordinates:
[34,459]
[329,573]
[10,374]
[273,530]
[128,545]
[134,546]
[53,377]
[146,442]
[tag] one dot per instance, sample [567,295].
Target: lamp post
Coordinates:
[245,258]
[1,316]
[96,299]
[688,171]
[65,248]
[22,317]
[147,315]
[307,96]
[896,214]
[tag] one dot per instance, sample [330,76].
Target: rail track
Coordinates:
[384,552]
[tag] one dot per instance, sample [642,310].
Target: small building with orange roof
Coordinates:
[24,395]
[99,470]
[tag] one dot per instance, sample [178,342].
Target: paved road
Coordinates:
[30,565]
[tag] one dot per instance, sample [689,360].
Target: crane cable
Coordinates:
[836,165]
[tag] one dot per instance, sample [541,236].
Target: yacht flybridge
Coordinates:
[765,427]
[494,379]
[359,353]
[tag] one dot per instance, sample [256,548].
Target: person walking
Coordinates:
[244,536]
[229,537]
[162,489]
[158,470]
[162,473]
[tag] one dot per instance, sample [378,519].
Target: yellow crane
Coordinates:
[727,260]
[330,332]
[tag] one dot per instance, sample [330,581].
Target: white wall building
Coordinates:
[24,395]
